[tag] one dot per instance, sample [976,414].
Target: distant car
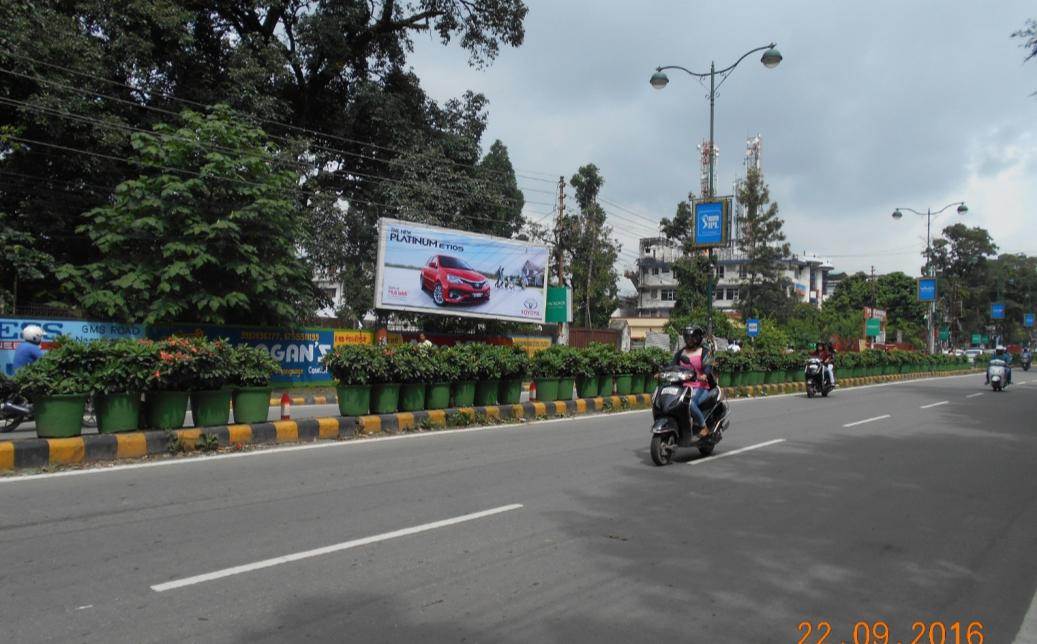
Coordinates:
[972,353]
[451,280]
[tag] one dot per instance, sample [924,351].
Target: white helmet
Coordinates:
[33,334]
[1000,347]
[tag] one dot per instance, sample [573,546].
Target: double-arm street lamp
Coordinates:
[770,59]
[930,270]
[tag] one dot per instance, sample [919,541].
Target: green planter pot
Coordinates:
[412,396]
[486,392]
[774,377]
[210,408]
[587,386]
[724,379]
[606,385]
[385,398]
[117,412]
[566,388]
[252,404]
[437,395]
[756,377]
[59,416]
[464,393]
[737,378]
[624,384]
[792,375]
[889,369]
[637,383]
[353,400]
[510,392]
[166,409]
[547,389]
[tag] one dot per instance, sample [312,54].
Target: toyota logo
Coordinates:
[530,303]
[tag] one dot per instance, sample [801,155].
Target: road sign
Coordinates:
[712,222]
[1028,319]
[752,327]
[559,304]
[945,334]
[977,338]
[873,327]
[997,310]
[926,289]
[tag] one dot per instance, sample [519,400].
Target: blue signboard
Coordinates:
[927,289]
[299,351]
[711,222]
[11,334]
[1028,319]
[752,327]
[997,310]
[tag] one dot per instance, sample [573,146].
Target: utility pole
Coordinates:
[563,327]
[873,302]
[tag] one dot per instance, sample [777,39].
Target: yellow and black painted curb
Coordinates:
[36,453]
[755,391]
[306,400]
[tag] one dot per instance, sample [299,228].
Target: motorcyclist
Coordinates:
[826,355]
[1001,354]
[29,351]
[1026,356]
[694,355]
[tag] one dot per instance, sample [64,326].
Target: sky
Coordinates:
[876,105]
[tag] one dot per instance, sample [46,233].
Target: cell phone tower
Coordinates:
[704,151]
[753,153]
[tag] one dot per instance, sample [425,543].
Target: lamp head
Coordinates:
[962,209]
[659,80]
[771,58]
[897,214]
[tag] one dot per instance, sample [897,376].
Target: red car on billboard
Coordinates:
[451,280]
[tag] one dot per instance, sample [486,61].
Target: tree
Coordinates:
[962,258]
[896,293]
[1029,35]
[592,252]
[762,244]
[207,233]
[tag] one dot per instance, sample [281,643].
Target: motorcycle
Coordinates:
[671,427]
[998,375]
[1026,360]
[14,410]
[817,378]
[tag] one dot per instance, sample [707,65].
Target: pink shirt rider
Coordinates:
[694,361]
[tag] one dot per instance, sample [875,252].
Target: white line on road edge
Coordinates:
[317,552]
[1028,629]
[942,402]
[867,420]
[974,395]
[737,451]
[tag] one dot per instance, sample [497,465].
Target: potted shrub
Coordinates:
[441,373]
[461,362]
[655,360]
[171,383]
[385,381]
[251,369]
[354,367]
[58,385]
[545,367]
[773,367]
[488,365]
[412,365]
[605,359]
[210,400]
[722,368]
[514,369]
[635,362]
[585,369]
[121,371]
[625,373]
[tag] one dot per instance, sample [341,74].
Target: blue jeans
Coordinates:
[693,406]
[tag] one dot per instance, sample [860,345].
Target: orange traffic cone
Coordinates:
[286,406]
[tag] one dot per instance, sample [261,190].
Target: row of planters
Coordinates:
[751,367]
[598,370]
[412,377]
[143,384]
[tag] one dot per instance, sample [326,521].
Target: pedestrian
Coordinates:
[423,341]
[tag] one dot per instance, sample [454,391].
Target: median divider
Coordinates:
[800,386]
[46,453]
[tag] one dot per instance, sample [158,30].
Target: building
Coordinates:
[654,280]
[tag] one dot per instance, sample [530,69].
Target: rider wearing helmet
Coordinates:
[826,354]
[29,351]
[695,356]
[1001,354]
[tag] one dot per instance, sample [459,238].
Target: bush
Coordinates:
[576,363]
[190,363]
[514,362]
[462,361]
[357,364]
[411,363]
[251,366]
[65,369]
[549,362]
[122,366]
[603,359]
[655,359]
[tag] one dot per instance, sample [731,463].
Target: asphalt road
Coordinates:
[929,515]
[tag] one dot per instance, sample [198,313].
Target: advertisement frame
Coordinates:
[379,276]
[936,286]
[726,203]
[997,310]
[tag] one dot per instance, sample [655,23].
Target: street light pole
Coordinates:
[659,80]
[930,270]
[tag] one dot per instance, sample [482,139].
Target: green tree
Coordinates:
[963,258]
[764,292]
[896,293]
[201,235]
[591,252]
[1029,36]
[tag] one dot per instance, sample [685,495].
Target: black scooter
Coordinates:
[817,378]
[14,410]
[672,420]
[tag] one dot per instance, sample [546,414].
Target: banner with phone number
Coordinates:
[11,334]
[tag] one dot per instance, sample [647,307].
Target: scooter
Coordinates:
[817,378]
[14,410]
[671,427]
[998,375]
[1025,359]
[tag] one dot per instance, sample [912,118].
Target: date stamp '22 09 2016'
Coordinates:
[879,632]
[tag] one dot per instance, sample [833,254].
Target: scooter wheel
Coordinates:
[662,449]
[706,450]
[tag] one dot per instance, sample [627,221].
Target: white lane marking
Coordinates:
[84,607]
[265,451]
[737,451]
[867,420]
[1028,629]
[942,402]
[974,395]
[338,547]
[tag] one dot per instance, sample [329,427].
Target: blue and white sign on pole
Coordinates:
[712,222]
[752,328]
[1028,319]
[997,310]
[927,289]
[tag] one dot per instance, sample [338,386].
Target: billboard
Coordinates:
[926,289]
[997,310]
[1028,319]
[752,327]
[439,271]
[11,334]
[712,222]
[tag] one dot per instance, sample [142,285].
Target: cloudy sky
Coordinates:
[876,105]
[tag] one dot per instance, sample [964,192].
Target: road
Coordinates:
[908,503]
